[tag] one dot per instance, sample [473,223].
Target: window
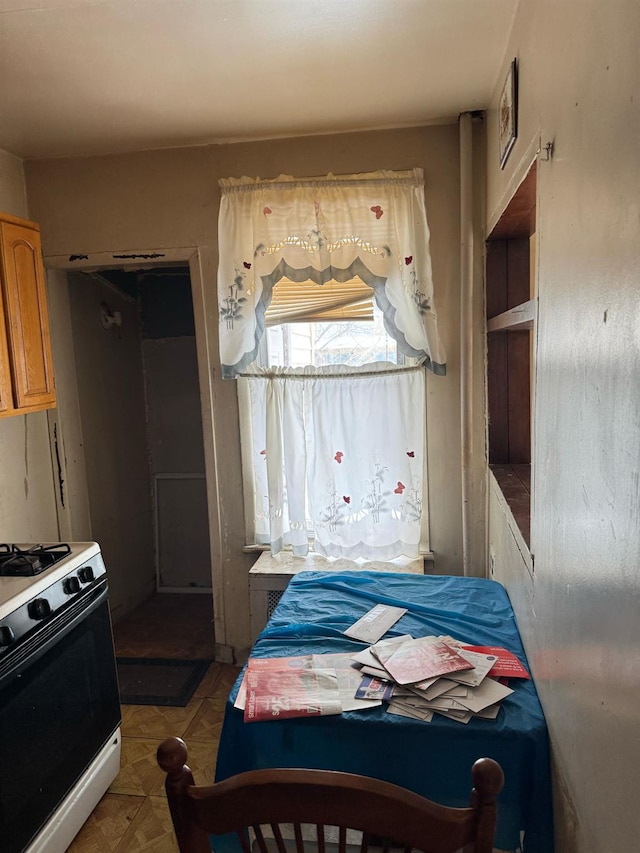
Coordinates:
[511,312]
[349,342]
[337,455]
[358,237]
[322,283]
[358,421]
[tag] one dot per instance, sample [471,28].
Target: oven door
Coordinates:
[58,707]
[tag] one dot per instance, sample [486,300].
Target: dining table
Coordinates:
[433,758]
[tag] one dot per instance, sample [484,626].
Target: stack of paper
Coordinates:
[437,675]
[417,677]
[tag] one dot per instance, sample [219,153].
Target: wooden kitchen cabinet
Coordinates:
[26,365]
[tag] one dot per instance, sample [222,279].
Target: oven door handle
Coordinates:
[52,632]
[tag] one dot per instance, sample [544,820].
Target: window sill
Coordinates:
[427,556]
[514,482]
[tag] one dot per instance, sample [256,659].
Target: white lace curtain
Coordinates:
[371,227]
[335,455]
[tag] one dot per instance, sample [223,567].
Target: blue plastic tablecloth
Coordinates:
[433,759]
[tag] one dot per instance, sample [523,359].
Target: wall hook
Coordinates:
[109,318]
[548,151]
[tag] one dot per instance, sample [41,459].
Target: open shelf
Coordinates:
[511,315]
[520,317]
[515,484]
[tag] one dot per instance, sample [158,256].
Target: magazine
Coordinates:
[507,663]
[374,688]
[299,662]
[481,666]
[280,694]
[424,658]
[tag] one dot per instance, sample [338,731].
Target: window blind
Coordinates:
[308,302]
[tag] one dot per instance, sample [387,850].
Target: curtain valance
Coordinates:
[372,227]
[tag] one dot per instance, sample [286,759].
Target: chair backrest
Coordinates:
[255,804]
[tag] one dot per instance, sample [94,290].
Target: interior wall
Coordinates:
[13,191]
[174,430]
[578,607]
[65,425]
[112,411]
[165,199]
[27,497]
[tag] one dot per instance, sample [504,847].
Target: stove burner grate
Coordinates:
[23,562]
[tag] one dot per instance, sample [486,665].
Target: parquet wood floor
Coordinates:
[133,816]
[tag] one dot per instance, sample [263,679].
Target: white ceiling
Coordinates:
[84,77]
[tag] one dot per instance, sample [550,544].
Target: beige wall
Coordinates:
[165,199]
[174,433]
[113,419]
[13,195]
[579,611]
[27,498]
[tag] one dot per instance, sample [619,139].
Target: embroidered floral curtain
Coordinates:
[371,226]
[335,455]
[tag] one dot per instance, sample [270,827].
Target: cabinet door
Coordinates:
[25,304]
[6,395]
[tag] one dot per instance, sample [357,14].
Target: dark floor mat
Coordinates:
[159,681]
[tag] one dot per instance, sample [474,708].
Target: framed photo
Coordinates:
[508,114]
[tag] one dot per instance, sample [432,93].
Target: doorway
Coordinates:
[141,422]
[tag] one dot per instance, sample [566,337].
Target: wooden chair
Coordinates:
[262,800]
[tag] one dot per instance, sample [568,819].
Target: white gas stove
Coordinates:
[21,580]
[59,702]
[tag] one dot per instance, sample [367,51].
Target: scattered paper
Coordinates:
[392,670]
[403,710]
[349,679]
[486,694]
[375,671]
[423,658]
[440,686]
[507,664]
[375,623]
[481,665]
[367,656]
[374,688]
[458,716]
[489,713]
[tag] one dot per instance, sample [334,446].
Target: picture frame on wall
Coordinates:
[508,114]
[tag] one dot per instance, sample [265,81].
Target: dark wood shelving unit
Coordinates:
[511,315]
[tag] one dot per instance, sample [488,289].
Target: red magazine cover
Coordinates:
[299,662]
[422,658]
[278,694]
[507,664]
